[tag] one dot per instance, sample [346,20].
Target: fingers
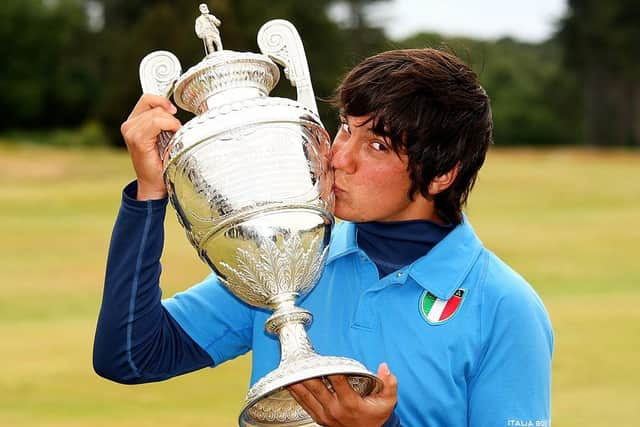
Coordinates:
[150,116]
[140,133]
[320,398]
[342,387]
[307,400]
[333,402]
[158,120]
[149,101]
[143,129]
[320,388]
[390,383]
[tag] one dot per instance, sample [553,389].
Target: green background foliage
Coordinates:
[602,51]
[61,70]
[48,76]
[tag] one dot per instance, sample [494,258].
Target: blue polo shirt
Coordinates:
[468,339]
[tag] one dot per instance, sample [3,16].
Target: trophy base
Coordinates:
[269,403]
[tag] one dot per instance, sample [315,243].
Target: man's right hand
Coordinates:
[151,115]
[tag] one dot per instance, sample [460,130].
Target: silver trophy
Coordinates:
[250,180]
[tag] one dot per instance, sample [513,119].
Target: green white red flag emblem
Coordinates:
[436,310]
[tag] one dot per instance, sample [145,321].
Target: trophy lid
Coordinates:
[223,76]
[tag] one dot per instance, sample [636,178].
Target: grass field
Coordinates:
[566,219]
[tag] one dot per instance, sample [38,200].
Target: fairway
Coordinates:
[566,219]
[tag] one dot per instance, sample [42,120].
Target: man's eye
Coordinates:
[379,146]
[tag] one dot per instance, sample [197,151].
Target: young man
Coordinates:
[407,283]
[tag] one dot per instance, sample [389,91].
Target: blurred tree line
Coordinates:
[69,63]
[602,49]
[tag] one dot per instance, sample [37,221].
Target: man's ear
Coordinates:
[444,181]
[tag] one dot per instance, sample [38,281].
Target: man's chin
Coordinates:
[341,215]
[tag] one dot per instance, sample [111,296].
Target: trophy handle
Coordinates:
[280,41]
[159,72]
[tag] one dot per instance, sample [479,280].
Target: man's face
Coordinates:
[371,180]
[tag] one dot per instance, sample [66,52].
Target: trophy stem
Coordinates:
[289,323]
[269,403]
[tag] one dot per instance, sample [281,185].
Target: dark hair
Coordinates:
[431,107]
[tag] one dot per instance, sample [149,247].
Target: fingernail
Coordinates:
[173,108]
[385,369]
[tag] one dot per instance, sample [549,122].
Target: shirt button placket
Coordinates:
[369,278]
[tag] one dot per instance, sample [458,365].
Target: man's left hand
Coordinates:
[343,406]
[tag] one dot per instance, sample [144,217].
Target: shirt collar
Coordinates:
[343,240]
[443,270]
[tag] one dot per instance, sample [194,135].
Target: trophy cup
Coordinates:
[250,181]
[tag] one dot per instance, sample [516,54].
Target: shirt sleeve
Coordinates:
[393,421]
[511,384]
[215,319]
[136,339]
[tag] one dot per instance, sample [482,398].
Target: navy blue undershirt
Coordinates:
[137,340]
[392,245]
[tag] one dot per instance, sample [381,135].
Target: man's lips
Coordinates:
[337,189]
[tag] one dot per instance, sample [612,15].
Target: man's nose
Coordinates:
[342,155]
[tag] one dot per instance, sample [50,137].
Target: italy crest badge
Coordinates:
[435,310]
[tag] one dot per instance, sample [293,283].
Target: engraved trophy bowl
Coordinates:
[250,181]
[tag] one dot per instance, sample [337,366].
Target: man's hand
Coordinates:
[151,115]
[344,407]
